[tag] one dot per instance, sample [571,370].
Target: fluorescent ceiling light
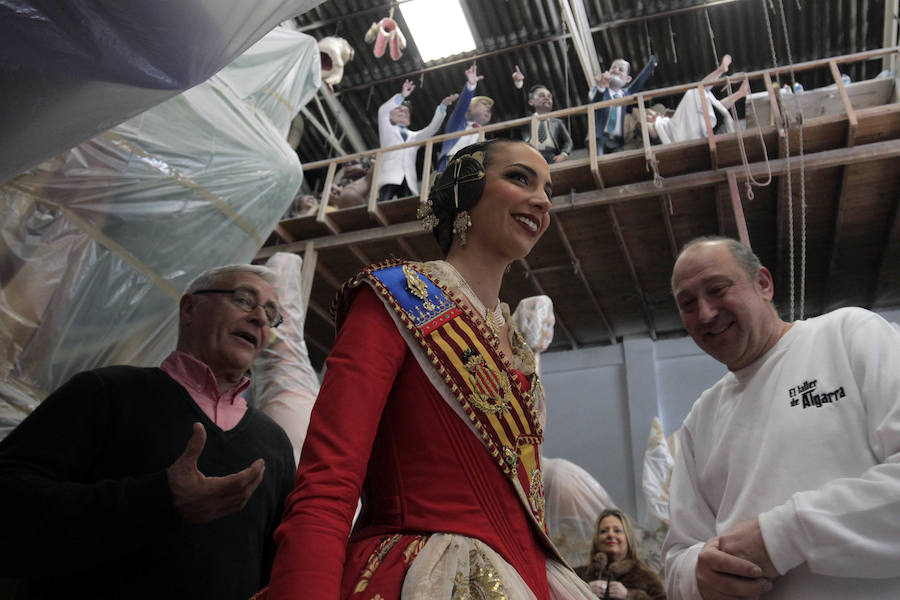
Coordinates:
[438,27]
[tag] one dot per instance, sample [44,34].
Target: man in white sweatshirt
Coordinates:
[787,477]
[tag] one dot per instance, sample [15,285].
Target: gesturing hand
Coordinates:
[200,499]
[518,76]
[407,89]
[472,75]
[721,575]
[447,101]
[602,80]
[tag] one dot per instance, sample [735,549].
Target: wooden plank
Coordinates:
[852,122]
[307,273]
[680,183]
[710,136]
[592,150]
[738,209]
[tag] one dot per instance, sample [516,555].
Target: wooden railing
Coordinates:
[639,100]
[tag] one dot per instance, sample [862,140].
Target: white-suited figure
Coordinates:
[398,168]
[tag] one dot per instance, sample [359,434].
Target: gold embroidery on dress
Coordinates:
[482,581]
[491,389]
[536,496]
[374,561]
[414,547]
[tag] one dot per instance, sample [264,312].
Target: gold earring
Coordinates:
[461,225]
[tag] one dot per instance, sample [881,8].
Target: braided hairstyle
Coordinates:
[460,186]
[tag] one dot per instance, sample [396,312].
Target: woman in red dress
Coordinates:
[427,413]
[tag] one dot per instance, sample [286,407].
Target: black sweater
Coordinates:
[85,504]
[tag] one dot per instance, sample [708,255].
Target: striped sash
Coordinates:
[467,359]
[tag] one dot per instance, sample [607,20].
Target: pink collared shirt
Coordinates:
[225,410]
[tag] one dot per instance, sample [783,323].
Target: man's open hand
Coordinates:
[200,499]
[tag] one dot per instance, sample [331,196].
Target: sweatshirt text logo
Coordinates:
[806,395]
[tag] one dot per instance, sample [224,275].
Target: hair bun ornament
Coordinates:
[425,213]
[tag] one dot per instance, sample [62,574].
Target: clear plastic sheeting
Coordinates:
[70,70]
[574,500]
[284,382]
[658,463]
[270,75]
[98,243]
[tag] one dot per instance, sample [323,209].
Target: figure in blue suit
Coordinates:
[608,121]
[470,113]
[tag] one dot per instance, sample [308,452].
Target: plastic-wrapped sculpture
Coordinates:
[78,68]
[284,383]
[98,243]
[573,497]
[658,464]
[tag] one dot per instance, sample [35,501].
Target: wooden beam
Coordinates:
[283,233]
[307,274]
[326,192]
[592,149]
[579,272]
[623,248]
[664,204]
[889,247]
[540,290]
[710,136]
[852,121]
[738,209]
[826,159]
[720,210]
[774,102]
[376,178]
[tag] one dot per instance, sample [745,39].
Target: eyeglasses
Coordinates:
[246,300]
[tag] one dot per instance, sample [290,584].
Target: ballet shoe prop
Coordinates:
[382,32]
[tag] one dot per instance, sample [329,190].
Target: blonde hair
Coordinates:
[626,525]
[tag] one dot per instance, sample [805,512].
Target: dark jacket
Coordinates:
[557,129]
[637,84]
[641,582]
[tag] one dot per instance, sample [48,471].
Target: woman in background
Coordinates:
[615,571]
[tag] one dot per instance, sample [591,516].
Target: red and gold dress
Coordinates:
[421,416]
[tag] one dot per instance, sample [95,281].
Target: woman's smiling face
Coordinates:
[514,209]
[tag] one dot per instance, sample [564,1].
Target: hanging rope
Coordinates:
[785,124]
[799,113]
[749,180]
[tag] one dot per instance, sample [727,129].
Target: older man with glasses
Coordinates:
[154,482]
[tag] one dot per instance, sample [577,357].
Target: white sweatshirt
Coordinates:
[808,439]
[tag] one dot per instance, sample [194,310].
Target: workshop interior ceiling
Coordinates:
[607,258]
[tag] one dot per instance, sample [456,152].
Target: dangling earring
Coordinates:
[461,225]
